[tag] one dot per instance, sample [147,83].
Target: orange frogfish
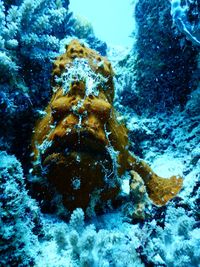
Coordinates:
[80,148]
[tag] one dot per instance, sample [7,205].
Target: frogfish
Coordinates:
[80,149]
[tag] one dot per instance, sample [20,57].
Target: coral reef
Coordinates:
[81,244]
[29,33]
[159,76]
[80,129]
[177,240]
[168,240]
[19,216]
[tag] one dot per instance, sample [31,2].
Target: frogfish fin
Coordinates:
[161,190]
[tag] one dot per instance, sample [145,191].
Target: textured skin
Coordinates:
[77,161]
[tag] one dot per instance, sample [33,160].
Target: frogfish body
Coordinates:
[79,147]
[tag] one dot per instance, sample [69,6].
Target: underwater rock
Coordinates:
[185,17]
[79,145]
[193,104]
[160,70]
